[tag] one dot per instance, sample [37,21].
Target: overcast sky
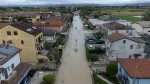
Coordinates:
[47,2]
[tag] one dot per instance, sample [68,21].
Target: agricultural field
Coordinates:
[126,13]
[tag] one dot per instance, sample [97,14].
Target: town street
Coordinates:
[74,68]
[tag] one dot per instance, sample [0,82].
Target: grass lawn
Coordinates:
[129,18]
[113,80]
[98,80]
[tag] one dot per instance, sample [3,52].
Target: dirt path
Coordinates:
[74,68]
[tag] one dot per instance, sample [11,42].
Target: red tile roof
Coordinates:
[117,36]
[145,24]
[4,24]
[143,69]
[49,22]
[117,26]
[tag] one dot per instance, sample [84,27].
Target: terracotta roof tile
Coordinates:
[117,26]
[143,69]
[25,27]
[117,36]
[145,24]
[49,22]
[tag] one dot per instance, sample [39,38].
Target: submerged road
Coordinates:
[74,68]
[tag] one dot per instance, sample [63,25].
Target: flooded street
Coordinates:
[74,68]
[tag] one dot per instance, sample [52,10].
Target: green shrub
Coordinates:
[49,78]
[112,69]
[91,56]
[97,51]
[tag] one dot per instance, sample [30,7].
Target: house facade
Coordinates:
[50,24]
[142,26]
[122,46]
[30,16]
[12,71]
[26,37]
[127,67]
[114,27]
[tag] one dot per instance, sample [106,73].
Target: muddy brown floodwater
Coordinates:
[74,68]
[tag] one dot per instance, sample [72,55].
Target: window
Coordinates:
[15,33]
[4,42]
[127,32]
[22,42]
[9,68]
[124,41]
[116,31]
[12,66]
[9,42]
[8,33]
[131,46]
[129,56]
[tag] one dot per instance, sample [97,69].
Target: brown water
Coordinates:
[74,68]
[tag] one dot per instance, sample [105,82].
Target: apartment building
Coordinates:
[26,37]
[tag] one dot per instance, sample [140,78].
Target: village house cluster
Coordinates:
[24,44]
[126,43]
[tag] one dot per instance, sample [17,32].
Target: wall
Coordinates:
[14,60]
[28,53]
[137,27]
[122,50]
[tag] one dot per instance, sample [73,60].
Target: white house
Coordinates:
[12,71]
[127,67]
[122,46]
[50,35]
[114,27]
[142,26]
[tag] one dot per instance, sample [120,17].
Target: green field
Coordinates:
[129,18]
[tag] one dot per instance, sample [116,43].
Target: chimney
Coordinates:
[42,25]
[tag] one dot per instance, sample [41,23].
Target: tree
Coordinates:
[146,15]
[98,35]
[112,69]
[96,16]
[20,18]
[49,78]
[55,53]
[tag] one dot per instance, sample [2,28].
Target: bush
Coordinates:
[112,69]
[91,57]
[98,80]
[49,78]
[97,51]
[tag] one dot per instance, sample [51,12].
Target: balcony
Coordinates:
[40,43]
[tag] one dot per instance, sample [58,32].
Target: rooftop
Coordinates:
[117,36]
[49,32]
[24,27]
[117,26]
[145,24]
[49,22]
[21,69]
[7,52]
[143,69]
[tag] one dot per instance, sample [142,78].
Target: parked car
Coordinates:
[31,73]
[26,80]
[100,41]
[90,47]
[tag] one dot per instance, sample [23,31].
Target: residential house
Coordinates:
[26,37]
[134,70]
[12,71]
[50,35]
[30,16]
[50,24]
[44,15]
[113,27]
[142,26]
[122,46]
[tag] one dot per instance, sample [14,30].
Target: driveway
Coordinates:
[74,68]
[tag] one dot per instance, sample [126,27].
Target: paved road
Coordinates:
[74,68]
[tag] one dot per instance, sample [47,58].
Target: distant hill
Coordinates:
[57,5]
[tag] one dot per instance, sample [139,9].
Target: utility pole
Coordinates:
[135,74]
